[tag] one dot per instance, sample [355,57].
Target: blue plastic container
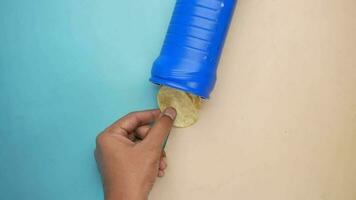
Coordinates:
[193,45]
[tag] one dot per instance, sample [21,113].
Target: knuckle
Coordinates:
[102,139]
[131,114]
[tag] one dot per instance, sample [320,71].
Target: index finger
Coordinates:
[133,120]
[160,130]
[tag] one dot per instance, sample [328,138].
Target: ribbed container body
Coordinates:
[190,55]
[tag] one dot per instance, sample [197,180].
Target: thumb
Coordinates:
[160,130]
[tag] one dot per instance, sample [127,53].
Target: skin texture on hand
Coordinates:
[130,156]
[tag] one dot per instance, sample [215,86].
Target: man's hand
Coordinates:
[130,156]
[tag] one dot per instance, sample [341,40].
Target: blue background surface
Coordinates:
[67,70]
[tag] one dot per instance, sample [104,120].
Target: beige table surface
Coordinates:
[281,123]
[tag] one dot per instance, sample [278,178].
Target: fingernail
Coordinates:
[170,112]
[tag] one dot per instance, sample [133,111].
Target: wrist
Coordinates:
[125,195]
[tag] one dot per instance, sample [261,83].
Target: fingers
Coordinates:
[133,120]
[163,161]
[142,131]
[160,173]
[160,130]
[162,165]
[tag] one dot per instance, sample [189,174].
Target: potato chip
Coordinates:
[187,105]
[196,100]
